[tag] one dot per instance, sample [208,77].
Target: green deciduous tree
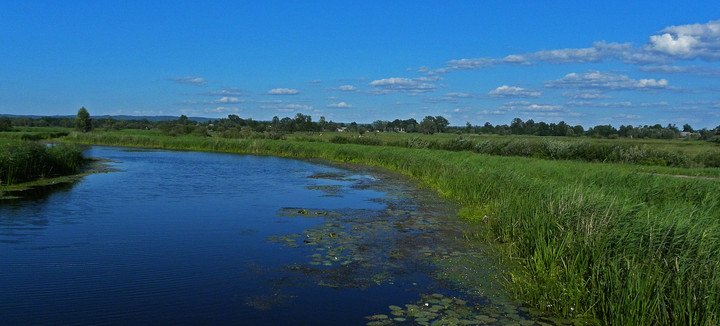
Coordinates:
[428,126]
[82,120]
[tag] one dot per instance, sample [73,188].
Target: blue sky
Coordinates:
[582,62]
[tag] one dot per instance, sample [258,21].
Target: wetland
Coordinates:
[192,238]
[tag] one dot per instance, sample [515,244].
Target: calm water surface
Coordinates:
[185,238]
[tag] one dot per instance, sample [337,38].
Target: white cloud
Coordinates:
[493,112]
[684,42]
[597,53]
[536,110]
[651,83]
[221,109]
[228,99]
[405,85]
[340,105]
[197,81]
[512,91]
[440,99]
[688,41]
[230,91]
[283,91]
[459,95]
[627,116]
[625,104]
[299,106]
[465,64]
[524,106]
[701,71]
[346,88]
[515,59]
[585,95]
[222,100]
[287,107]
[605,81]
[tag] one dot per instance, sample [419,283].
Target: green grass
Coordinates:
[35,133]
[680,153]
[22,161]
[623,243]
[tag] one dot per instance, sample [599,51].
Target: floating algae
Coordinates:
[413,234]
[329,190]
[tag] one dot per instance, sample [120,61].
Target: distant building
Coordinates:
[689,134]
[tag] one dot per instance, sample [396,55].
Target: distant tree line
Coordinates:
[236,127]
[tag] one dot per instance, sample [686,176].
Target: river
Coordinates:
[188,238]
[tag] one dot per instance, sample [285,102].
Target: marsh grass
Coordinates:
[651,152]
[22,161]
[623,243]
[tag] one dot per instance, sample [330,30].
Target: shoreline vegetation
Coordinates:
[624,243]
[23,161]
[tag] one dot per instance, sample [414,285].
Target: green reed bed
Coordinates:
[595,240]
[22,161]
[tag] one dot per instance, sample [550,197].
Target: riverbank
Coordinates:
[589,239]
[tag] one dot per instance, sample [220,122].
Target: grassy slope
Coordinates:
[589,239]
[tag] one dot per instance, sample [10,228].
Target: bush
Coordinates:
[709,159]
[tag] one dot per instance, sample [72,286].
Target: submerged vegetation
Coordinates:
[627,244]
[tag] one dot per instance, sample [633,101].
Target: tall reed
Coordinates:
[22,161]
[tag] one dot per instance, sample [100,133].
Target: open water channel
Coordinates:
[187,238]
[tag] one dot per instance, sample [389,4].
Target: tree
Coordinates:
[380,125]
[83,122]
[5,124]
[441,123]
[428,126]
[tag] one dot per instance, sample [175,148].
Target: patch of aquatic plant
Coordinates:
[296,211]
[329,190]
[368,248]
[439,309]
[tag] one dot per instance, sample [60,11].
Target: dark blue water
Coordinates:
[184,238]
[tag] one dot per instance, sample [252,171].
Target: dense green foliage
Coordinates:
[304,123]
[627,244]
[83,122]
[22,161]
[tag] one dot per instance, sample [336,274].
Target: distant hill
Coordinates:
[117,117]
